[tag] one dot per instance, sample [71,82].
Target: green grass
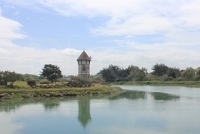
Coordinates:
[21,84]
[97,87]
[163,83]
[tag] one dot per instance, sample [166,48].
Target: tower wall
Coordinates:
[84,66]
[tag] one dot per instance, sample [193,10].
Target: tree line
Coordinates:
[50,72]
[159,72]
[110,74]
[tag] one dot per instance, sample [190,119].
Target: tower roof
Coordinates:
[84,56]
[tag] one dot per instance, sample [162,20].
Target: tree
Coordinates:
[115,73]
[189,73]
[160,69]
[133,71]
[51,72]
[7,76]
[173,72]
[29,77]
[198,71]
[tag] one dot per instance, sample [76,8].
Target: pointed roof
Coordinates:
[84,56]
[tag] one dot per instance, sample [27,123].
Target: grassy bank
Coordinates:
[56,92]
[162,83]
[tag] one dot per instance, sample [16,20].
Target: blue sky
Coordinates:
[118,32]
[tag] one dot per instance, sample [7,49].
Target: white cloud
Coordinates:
[7,126]
[178,21]
[10,29]
[129,17]
[132,17]
[31,60]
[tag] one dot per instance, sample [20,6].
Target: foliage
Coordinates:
[197,74]
[51,72]
[30,77]
[189,73]
[115,73]
[168,73]
[160,69]
[173,72]
[31,83]
[7,76]
[160,72]
[44,81]
[96,78]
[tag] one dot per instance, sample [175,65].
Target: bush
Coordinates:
[180,79]
[197,78]
[166,78]
[2,83]
[151,77]
[44,82]
[31,83]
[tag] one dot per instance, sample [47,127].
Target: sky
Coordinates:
[118,32]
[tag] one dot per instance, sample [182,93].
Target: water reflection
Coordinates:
[7,108]
[164,96]
[84,111]
[131,95]
[51,105]
[128,112]
[83,102]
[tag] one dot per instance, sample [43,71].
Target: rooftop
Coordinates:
[84,56]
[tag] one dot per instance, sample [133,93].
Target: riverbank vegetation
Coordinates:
[51,78]
[50,83]
[161,75]
[160,83]
[28,92]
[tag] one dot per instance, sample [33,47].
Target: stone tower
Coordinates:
[84,65]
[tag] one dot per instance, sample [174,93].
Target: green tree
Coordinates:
[198,71]
[115,73]
[160,69]
[51,72]
[29,77]
[133,71]
[189,73]
[173,72]
[7,76]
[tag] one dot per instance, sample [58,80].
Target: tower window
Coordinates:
[83,62]
[83,67]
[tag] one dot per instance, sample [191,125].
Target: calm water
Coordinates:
[143,110]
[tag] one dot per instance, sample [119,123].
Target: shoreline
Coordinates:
[160,83]
[7,94]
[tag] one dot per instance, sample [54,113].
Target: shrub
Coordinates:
[31,83]
[44,81]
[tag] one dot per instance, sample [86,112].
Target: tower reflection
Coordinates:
[84,111]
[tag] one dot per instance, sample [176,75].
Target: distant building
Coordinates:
[84,65]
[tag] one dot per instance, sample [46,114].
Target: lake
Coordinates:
[141,110]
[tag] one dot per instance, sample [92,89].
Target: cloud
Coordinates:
[178,22]
[8,124]
[132,17]
[10,29]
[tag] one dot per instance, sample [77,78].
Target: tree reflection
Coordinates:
[7,108]
[84,111]
[132,95]
[51,105]
[164,96]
